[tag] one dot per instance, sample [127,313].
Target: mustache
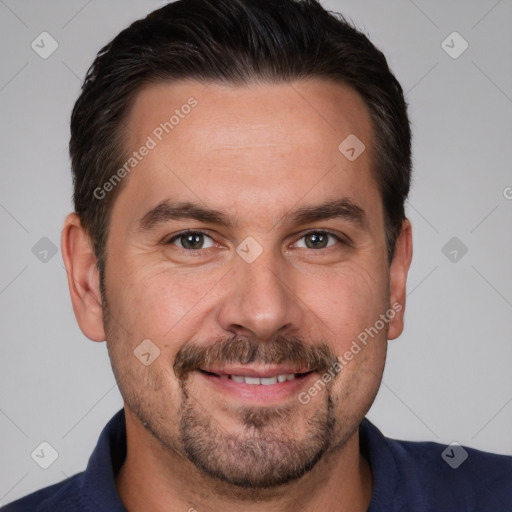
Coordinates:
[237,349]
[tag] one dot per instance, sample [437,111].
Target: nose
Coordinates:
[260,300]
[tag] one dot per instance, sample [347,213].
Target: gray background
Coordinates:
[447,377]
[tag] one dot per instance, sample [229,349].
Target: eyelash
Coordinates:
[190,232]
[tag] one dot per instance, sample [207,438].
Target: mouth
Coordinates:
[258,386]
[258,380]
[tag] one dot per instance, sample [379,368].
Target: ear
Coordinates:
[398,279]
[83,278]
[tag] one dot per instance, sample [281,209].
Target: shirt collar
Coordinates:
[99,486]
[375,448]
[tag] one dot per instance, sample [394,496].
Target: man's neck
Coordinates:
[155,480]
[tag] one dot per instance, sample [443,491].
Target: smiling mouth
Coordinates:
[257,380]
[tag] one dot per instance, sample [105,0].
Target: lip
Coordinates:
[272,395]
[256,371]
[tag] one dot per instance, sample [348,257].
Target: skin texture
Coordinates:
[257,154]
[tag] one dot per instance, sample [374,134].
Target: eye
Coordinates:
[317,240]
[192,240]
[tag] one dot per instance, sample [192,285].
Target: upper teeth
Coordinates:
[266,381]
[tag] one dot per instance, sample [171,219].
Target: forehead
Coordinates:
[228,145]
[251,115]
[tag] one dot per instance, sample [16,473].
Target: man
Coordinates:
[240,170]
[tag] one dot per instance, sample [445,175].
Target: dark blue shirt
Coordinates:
[407,477]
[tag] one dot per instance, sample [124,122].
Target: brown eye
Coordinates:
[192,240]
[317,240]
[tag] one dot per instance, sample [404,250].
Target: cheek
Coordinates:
[347,302]
[359,382]
[144,309]
[151,391]
[159,303]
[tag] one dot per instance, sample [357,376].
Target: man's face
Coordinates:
[279,281]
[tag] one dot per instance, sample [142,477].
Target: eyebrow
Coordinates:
[344,208]
[166,211]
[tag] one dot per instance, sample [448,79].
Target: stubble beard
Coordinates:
[265,453]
